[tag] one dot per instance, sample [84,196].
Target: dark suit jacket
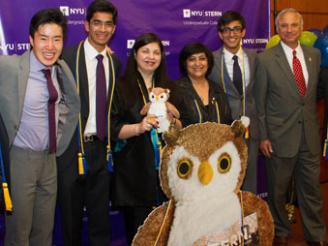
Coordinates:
[283,113]
[184,97]
[69,55]
[234,98]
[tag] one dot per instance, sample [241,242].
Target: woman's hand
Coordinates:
[147,123]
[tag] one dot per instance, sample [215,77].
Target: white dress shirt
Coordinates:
[300,55]
[91,64]
[242,61]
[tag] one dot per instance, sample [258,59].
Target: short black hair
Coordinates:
[228,17]
[48,16]
[101,6]
[189,50]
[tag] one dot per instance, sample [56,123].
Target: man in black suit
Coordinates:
[79,186]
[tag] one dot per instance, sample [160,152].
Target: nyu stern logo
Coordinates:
[188,13]
[67,11]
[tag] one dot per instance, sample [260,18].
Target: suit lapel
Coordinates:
[22,81]
[310,69]
[282,62]
[84,84]
[251,65]
[228,84]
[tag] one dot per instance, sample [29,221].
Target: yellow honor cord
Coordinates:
[200,117]
[242,214]
[163,223]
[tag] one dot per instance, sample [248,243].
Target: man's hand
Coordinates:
[266,147]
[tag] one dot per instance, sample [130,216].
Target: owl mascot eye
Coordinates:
[159,107]
[202,170]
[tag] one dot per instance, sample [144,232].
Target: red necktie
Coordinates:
[53,95]
[100,98]
[298,74]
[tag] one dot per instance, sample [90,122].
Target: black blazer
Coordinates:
[70,156]
[184,97]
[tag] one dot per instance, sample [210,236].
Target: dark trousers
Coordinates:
[133,218]
[305,168]
[91,192]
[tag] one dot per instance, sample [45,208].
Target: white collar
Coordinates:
[228,54]
[90,51]
[289,50]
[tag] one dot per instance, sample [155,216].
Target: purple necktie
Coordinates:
[236,75]
[53,95]
[101,98]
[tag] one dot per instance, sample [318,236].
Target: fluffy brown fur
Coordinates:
[202,140]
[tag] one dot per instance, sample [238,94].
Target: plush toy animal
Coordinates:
[202,170]
[159,107]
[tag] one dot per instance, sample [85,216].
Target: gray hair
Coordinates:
[285,11]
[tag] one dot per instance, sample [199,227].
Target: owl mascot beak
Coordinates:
[205,173]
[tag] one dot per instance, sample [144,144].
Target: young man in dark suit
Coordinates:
[95,69]
[238,88]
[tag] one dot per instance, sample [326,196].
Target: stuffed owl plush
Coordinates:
[159,106]
[202,170]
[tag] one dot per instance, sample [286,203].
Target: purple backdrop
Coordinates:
[176,22]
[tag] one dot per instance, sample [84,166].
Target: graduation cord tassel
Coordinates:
[5,189]
[247,133]
[109,159]
[82,164]
[157,146]
[325,154]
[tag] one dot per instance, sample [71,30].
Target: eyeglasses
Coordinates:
[235,29]
[98,23]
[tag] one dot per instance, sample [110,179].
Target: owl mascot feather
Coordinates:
[159,106]
[202,170]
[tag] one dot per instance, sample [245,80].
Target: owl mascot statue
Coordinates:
[202,170]
[159,106]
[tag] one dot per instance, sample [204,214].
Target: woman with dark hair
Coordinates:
[197,98]
[136,186]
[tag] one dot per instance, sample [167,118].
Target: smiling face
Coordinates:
[148,58]
[47,43]
[290,28]
[231,36]
[197,65]
[100,29]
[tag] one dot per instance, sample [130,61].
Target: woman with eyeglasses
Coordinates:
[135,181]
[197,98]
